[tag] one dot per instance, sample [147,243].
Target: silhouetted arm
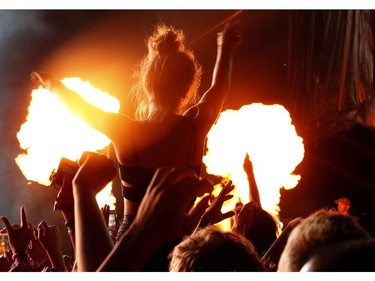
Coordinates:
[210,104]
[108,123]
[93,242]
[49,237]
[213,214]
[271,258]
[19,239]
[253,187]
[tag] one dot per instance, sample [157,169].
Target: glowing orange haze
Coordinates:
[265,132]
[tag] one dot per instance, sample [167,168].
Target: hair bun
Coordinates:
[166,40]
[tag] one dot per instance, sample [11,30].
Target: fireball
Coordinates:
[267,134]
[52,132]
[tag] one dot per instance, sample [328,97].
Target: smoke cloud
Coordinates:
[25,38]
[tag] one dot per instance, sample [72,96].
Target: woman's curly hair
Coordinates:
[168,77]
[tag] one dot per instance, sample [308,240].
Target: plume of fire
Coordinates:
[52,132]
[266,133]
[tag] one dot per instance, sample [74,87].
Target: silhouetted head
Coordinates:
[352,256]
[262,232]
[169,76]
[210,249]
[318,230]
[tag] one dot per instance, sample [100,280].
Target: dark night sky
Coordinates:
[104,46]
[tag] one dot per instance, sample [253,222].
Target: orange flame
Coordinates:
[52,132]
[275,149]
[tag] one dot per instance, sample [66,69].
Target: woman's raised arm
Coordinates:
[210,104]
[107,123]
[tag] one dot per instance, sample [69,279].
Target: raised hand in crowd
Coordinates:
[93,242]
[50,239]
[5,262]
[69,263]
[37,253]
[106,210]
[8,255]
[261,228]
[164,214]
[19,238]
[253,187]
[244,217]
[64,202]
[42,78]
[112,226]
[213,214]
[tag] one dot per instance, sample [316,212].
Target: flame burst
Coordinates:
[275,149]
[52,132]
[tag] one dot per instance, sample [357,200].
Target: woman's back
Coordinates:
[173,142]
[150,145]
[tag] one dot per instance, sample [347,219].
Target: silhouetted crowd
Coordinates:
[175,230]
